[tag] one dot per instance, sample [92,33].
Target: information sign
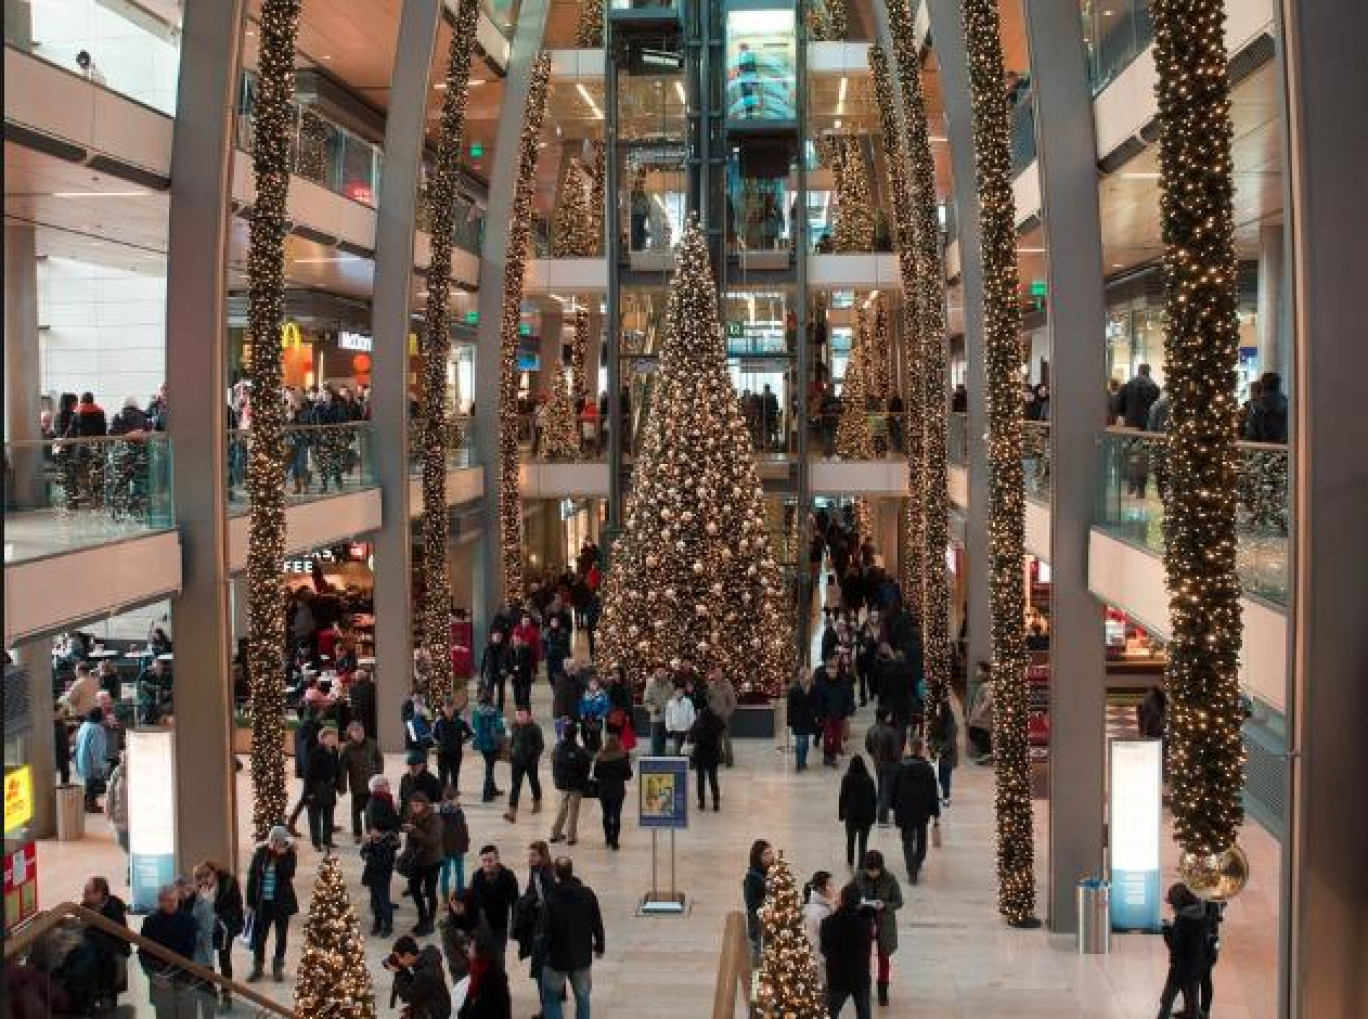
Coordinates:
[663,786]
[151,757]
[1137,789]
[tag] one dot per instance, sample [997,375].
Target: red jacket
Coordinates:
[531,636]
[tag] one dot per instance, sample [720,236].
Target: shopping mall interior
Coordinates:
[982,374]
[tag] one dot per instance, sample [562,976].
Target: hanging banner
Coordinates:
[1137,790]
[151,763]
[663,784]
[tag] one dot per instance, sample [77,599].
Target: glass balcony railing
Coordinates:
[320,461]
[460,443]
[1023,132]
[467,221]
[65,494]
[1135,481]
[125,48]
[1115,32]
[589,443]
[887,433]
[957,439]
[1035,460]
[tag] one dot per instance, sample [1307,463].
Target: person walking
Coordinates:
[449,735]
[943,733]
[378,854]
[883,743]
[857,808]
[487,721]
[882,897]
[525,748]
[360,760]
[655,698]
[802,717]
[722,700]
[574,938]
[487,994]
[455,841]
[612,770]
[322,779]
[421,860]
[569,774]
[1186,938]
[706,737]
[845,938]
[916,799]
[221,889]
[271,898]
[753,893]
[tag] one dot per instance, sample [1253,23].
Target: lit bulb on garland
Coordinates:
[1201,348]
[1006,499]
[434,610]
[272,128]
[519,238]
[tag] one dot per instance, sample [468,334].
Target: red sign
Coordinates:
[21,886]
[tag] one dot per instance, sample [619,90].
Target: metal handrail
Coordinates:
[733,967]
[1140,433]
[59,441]
[48,921]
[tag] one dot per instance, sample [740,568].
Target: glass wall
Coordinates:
[762,60]
[1115,32]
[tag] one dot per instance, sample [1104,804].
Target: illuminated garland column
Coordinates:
[272,121]
[519,236]
[579,352]
[434,612]
[1201,341]
[1007,506]
[932,355]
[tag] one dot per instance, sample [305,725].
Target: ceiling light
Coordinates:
[327,56]
[102,194]
[838,123]
[1030,251]
[1141,175]
[440,86]
[325,261]
[584,94]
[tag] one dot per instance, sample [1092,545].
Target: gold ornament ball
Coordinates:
[1218,877]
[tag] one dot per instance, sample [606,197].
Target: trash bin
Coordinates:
[70,812]
[1094,917]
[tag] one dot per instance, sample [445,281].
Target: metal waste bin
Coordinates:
[1094,917]
[70,812]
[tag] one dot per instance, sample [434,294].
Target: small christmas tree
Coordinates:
[574,236]
[579,353]
[790,986]
[853,438]
[334,982]
[854,203]
[559,425]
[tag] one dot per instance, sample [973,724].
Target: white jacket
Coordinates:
[679,715]
[816,910]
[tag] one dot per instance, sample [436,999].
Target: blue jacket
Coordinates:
[90,750]
[488,724]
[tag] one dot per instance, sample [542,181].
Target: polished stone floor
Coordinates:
[956,958]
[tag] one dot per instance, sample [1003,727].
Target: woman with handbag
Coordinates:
[221,889]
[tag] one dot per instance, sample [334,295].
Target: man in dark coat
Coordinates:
[322,777]
[1135,398]
[574,937]
[362,697]
[897,688]
[845,939]
[494,892]
[884,743]
[915,795]
[419,981]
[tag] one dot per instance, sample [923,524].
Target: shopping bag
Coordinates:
[935,836]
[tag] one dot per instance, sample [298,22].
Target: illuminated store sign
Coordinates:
[355,341]
[1137,785]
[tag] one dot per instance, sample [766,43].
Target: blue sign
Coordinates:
[150,872]
[663,787]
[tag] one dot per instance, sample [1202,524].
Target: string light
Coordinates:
[574,233]
[933,353]
[589,29]
[789,985]
[693,573]
[333,980]
[434,609]
[598,189]
[272,122]
[828,21]
[1006,495]
[1201,346]
[519,236]
[854,204]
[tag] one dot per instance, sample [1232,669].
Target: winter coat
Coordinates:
[362,698]
[802,711]
[915,794]
[574,927]
[285,899]
[380,813]
[173,931]
[844,939]
[883,743]
[526,745]
[612,771]
[87,421]
[424,782]
[91,749]
[455,831]
[706,736]
[228,909]
[323,776]
[569,767]
[565,696]
[425,839]
[423,987]
[859,800]
[943,741]
[679,715]
[897,688]
[449,735]
[886,889]
[488,997]
[1187,942]
[1135,399]
[495,897]
[753,894]
[487,722]
[722,699]
[360,762]
[201,910]
[815,910]
[305,739]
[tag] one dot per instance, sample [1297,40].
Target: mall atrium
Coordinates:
[701,508]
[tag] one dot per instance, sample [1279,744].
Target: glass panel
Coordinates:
[320,460]
[957,439]
[1023,131]
[761,63]
[1035,460]
[64,494]
[1115,32]
[122,47]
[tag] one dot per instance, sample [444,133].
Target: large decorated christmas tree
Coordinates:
[790,986]
[334,982]
[693,573]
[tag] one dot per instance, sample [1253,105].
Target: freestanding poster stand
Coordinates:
[663,804]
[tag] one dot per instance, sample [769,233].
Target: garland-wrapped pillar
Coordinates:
[854,203]
[272,126]
[1006,498]
[434,612]
[933,357]
[519,234]
[1201,341]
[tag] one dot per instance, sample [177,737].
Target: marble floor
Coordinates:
[956,959]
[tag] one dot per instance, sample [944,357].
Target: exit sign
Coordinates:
[476,150]
[1039,288]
